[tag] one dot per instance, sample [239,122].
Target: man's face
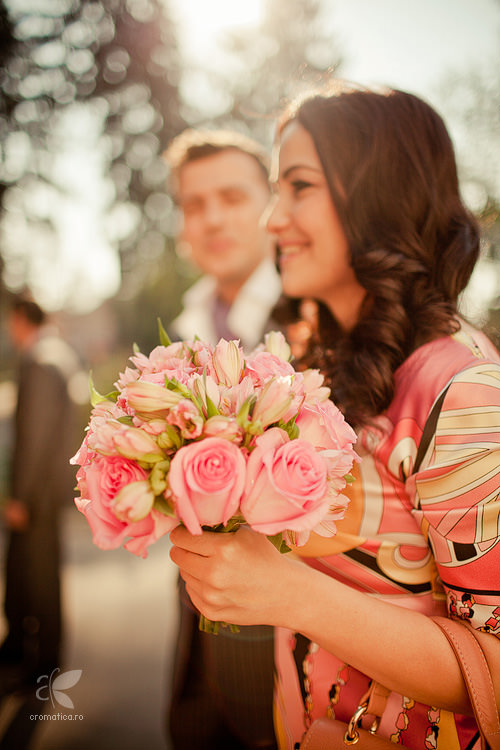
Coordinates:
[222,198]
[21,331]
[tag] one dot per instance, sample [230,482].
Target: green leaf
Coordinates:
[212,410]
[244,412]
[96,397]
[135,348]
[174,436]
[164,337]
[126,420]
[161,505]
[349,478]
[279,543]
[172,384]
[290,428]
[151,458]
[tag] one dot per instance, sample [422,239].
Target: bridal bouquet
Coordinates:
[209,438]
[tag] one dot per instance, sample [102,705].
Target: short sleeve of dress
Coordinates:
[457,496]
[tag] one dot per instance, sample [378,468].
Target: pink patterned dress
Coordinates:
[425,540]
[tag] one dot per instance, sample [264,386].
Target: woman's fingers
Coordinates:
[201,544]
[229,576]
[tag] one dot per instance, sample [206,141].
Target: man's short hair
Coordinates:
[192,145]
[29,310]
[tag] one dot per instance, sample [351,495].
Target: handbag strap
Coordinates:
[376,699]
[477,677]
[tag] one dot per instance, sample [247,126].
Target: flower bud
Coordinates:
[137,444]
[273,402]
[134,501]
[149,398]
[228,362]
[223,427]
[276,344]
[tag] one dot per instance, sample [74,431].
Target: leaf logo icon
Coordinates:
[56,685]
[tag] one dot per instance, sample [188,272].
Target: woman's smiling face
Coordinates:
[314,254]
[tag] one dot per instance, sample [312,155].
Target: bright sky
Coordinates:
[414,43]
[406,43]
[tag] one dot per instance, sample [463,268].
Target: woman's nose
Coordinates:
[275,216]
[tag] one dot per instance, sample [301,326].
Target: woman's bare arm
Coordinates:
[241,578]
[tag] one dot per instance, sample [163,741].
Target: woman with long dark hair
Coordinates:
[369,222]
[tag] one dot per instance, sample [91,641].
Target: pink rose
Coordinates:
[103,479]
[286,486]
[99,484]
[146,532]
[264,365]
[323,425]
[84,455]
[313,385]
[207,480]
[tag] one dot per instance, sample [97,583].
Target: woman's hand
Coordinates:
[236,577]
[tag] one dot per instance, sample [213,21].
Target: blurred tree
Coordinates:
[472,102]
[86,83]
[270,64]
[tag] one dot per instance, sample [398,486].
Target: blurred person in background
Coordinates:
[222,689]
[40,482]
[219,182]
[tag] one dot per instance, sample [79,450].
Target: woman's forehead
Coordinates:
[295,148]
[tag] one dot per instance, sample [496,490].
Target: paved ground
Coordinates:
[120,614]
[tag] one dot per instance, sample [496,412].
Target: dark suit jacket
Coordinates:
[44,429]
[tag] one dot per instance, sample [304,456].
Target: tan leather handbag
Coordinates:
[332,734]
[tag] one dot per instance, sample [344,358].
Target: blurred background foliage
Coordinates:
[91,93]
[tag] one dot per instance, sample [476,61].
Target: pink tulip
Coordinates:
[134,501]
[136,443]
[228,362]
[223,427]
[273,402]
[150,398]
[275,343]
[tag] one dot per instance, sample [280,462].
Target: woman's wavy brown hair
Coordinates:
[390,167]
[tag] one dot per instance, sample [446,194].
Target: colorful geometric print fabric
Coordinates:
[427,540]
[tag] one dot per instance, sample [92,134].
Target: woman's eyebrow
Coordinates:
[293,167]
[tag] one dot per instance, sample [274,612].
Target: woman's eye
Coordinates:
[299,185]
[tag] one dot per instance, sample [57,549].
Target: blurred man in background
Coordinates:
[222,690]
[219,181]
[41,480]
